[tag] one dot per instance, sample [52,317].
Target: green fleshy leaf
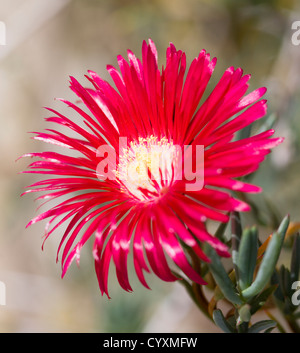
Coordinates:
[221,322]
[247,256]
[275,281]
[295,259]
[269,261]
[262,326]
[221,277]
[257,302]
[236,233]
[269,330]
[244,314]
[286,282]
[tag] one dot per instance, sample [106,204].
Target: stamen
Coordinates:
[146,167]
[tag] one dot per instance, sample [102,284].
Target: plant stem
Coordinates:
[292,322]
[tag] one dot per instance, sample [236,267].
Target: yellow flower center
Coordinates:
[146,168]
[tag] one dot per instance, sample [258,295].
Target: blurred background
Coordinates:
[46,42]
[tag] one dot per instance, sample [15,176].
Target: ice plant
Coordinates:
[139,199]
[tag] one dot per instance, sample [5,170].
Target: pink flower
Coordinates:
[142,199]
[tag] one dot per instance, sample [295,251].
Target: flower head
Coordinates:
[152,164]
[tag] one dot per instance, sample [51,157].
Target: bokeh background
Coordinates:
[46,41]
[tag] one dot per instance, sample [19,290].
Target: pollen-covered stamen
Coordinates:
[146,167]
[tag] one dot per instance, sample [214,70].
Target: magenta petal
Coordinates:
[155,253]
[138,256]
[174,250]
[120,249]
[102,268]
